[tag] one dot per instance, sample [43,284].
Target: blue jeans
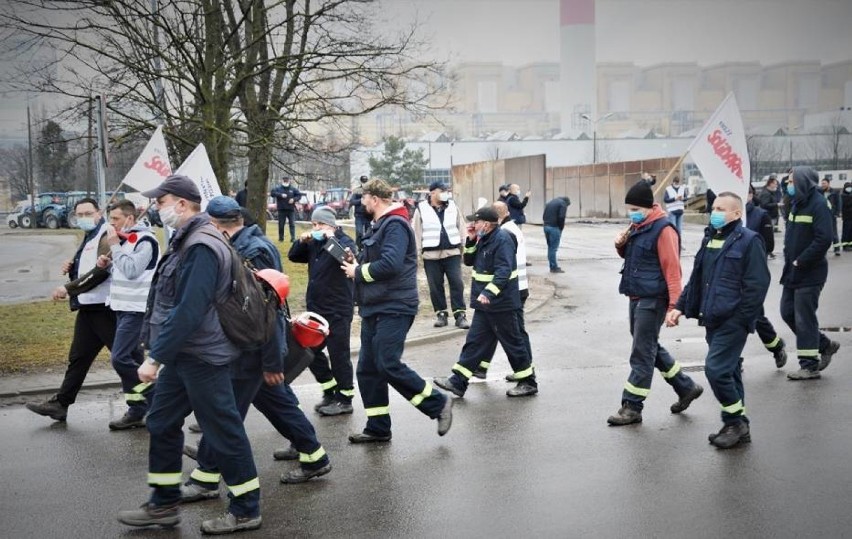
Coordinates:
[799,310]
[676,218]
[552,235]
[189,384]
[435,272]
[126,357]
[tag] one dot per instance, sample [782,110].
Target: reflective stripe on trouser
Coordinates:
[799,310]
[766,331]
[723,368]
[380,365]
[206,479]
[485,364]
[334,359]
[125,356]
[646,316]
[486,330]
[192,385]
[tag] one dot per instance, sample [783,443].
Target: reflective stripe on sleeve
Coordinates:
[365,273]
[134,397]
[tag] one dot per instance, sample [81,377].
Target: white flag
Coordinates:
[720,150]
[152,166]
[197,168]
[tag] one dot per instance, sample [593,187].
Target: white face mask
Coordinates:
[444,196]
[169,216]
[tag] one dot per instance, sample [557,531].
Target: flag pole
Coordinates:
[670,174]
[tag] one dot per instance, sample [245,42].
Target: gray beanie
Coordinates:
[324,215]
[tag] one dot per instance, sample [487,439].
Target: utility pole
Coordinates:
[30,179]
[90,178]
[594,123]
[101,153]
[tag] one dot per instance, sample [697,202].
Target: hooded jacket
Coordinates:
[808,234]
[846,202]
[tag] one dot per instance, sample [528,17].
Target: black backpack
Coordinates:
[249,313]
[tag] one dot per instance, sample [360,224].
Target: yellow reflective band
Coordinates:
[804,219]
[205,477]
[526,373]
[139,388]
[774,342]
[347,392]
[328,385]
[807,353]
[164,479]
[630,388]
[248,486]
[485,364]
[365,273]
[313,457]
[463,371]
[493,289]
[736,408]
[482,277]
[513,275]
[417,399]
[715,244]
[470,250]
[134,397]
[671,373]
[377,410]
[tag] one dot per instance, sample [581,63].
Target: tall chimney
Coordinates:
[578,74]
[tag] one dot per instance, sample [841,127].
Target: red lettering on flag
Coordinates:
[726,153]
[158,166]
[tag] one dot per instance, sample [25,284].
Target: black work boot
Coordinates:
[447,385]
[804,374]
[335,408]
[51,408]
[128,421]
[445,419]
[525,388]
[625,416]
[229,523]
[685,400]
[301,475]
[289,453]
[461,321]
[440,319]
[825,357]
[151,515]
[327,398]
[780,354]
[731,435]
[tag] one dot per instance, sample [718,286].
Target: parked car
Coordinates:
[304,207]
[15,214]
[336,198]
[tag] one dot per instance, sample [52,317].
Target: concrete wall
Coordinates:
[470,182]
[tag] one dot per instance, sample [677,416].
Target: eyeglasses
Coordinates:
[86,214]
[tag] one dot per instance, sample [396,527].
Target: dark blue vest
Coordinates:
[390,296]
[642,276]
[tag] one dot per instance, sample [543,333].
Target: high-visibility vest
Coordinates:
[131,295]
[432,225]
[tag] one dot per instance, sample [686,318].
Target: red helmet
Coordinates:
[277,280]
[310,329]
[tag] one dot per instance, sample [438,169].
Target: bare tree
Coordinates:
[13,166]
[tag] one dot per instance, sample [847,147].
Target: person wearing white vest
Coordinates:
[438,226]
[88,292]
[675,199]
[134,252]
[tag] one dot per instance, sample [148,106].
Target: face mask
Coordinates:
[86,223]
[636,216]
[318,235]
[717,219]
[791,189]
[169,217]
[848,189]
[481,233]
[443,197]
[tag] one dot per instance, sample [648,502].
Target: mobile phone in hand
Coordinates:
[333,247]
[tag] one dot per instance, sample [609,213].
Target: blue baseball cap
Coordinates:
[223,207]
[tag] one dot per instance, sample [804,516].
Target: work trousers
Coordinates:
[485,363]
[94,329]
[436,270]
[192,385]
[334,371]
[766,331]
[287,215]
[646,317]
[552,236]
[281,407]
[835,237]
[846,239]
[799,310]
[486,330]
[380,365]
[127,356]
[723,368]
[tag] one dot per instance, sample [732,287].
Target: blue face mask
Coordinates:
[318,235]
[791,189]
[636,216]
[717,219]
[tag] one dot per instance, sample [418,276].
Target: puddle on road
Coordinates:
[23,270]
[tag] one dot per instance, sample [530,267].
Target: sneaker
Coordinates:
[803,374]
[480,373]
[286,454]
[367,438]
[523,389]
[461,322]
[193,492]
[149,514]
[625,416]
[228,523]
[557,270]
[780,355]
[825,357]
[731,435]
[447,385]
[301,475]
[440,320]
[327,398]
[445,420]
[684,402]
[126,422]
[50,408]
[191,451]
[335,408]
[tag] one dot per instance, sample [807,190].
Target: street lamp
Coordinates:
[595,132]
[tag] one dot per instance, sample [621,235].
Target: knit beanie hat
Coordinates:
[324,215]
[640,195]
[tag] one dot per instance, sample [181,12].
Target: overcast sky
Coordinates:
[643,32]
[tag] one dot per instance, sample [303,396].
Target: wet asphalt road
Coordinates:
[546,466]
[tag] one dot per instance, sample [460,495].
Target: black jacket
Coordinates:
[330,293]
[846,203]
[758,220]
[808,234]
[554,212]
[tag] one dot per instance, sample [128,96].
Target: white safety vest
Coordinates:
[672,192]
[131,295]
[521,254]
[432,225]
[88,258]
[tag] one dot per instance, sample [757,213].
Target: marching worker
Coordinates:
[362,221]
[758,220]
[769,199]
[330,294]
[438,226]
[725,293]
[846,213]
[496,302]
[833,199]
[286,196]
[182,332]
[132,260]
[651,278]
[385,278]
[807,239]
[87,294]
